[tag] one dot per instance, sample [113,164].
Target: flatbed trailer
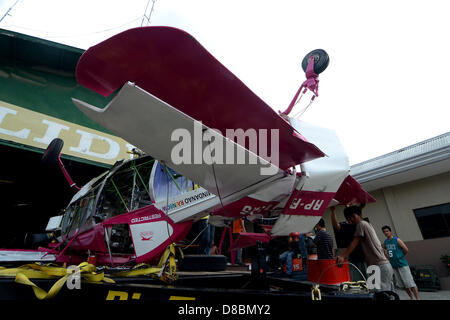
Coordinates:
[208,287]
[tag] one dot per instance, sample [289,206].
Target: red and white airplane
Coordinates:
[212,148]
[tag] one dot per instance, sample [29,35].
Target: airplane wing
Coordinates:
[149,123]
[351,190]
[172,66]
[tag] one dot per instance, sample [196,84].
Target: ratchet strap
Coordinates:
[165,270]
[37,271]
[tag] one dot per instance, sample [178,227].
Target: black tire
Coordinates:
[52,152]
[321,60]
[199,262]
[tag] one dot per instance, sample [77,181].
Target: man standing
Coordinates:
[207,238]
[373,252]
[323,241]
[238,227]
[344,232]
[395,250]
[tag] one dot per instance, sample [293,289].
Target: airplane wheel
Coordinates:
[53,151]
[321,60]
[200,262]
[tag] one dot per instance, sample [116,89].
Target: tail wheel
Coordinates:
[321,60]
[53,151]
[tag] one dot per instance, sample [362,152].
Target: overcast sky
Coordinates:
[387,85]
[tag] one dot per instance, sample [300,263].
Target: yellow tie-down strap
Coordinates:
[23,274]
[165,271]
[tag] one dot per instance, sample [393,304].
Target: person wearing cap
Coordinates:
[293,251]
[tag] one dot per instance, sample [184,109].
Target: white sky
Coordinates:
[387,85]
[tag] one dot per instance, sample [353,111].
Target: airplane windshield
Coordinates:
[78,214]
[168,183]
[127,189]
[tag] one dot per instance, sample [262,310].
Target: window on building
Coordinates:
[434,222]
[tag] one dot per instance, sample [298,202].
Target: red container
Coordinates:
[92,260]
[326,271]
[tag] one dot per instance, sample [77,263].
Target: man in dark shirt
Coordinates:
[344,232]
[323,241]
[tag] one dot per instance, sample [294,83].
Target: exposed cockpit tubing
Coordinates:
[110,195]
[126,188]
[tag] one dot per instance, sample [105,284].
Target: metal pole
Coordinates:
[7,12]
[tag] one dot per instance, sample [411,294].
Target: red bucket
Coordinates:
[326,271]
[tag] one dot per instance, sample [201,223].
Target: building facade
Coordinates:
[37,84]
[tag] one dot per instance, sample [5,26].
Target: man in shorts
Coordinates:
[373,252]
[395,249]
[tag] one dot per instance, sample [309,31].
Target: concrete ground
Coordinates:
[424,295]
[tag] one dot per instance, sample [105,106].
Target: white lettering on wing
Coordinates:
[146,218]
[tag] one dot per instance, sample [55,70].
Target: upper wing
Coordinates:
[149,123]
[172,66]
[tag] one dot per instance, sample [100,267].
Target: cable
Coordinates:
[150,14]
[7,11]
[196,237]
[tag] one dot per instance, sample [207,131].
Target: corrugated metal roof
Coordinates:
[427,151]
[17,47]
